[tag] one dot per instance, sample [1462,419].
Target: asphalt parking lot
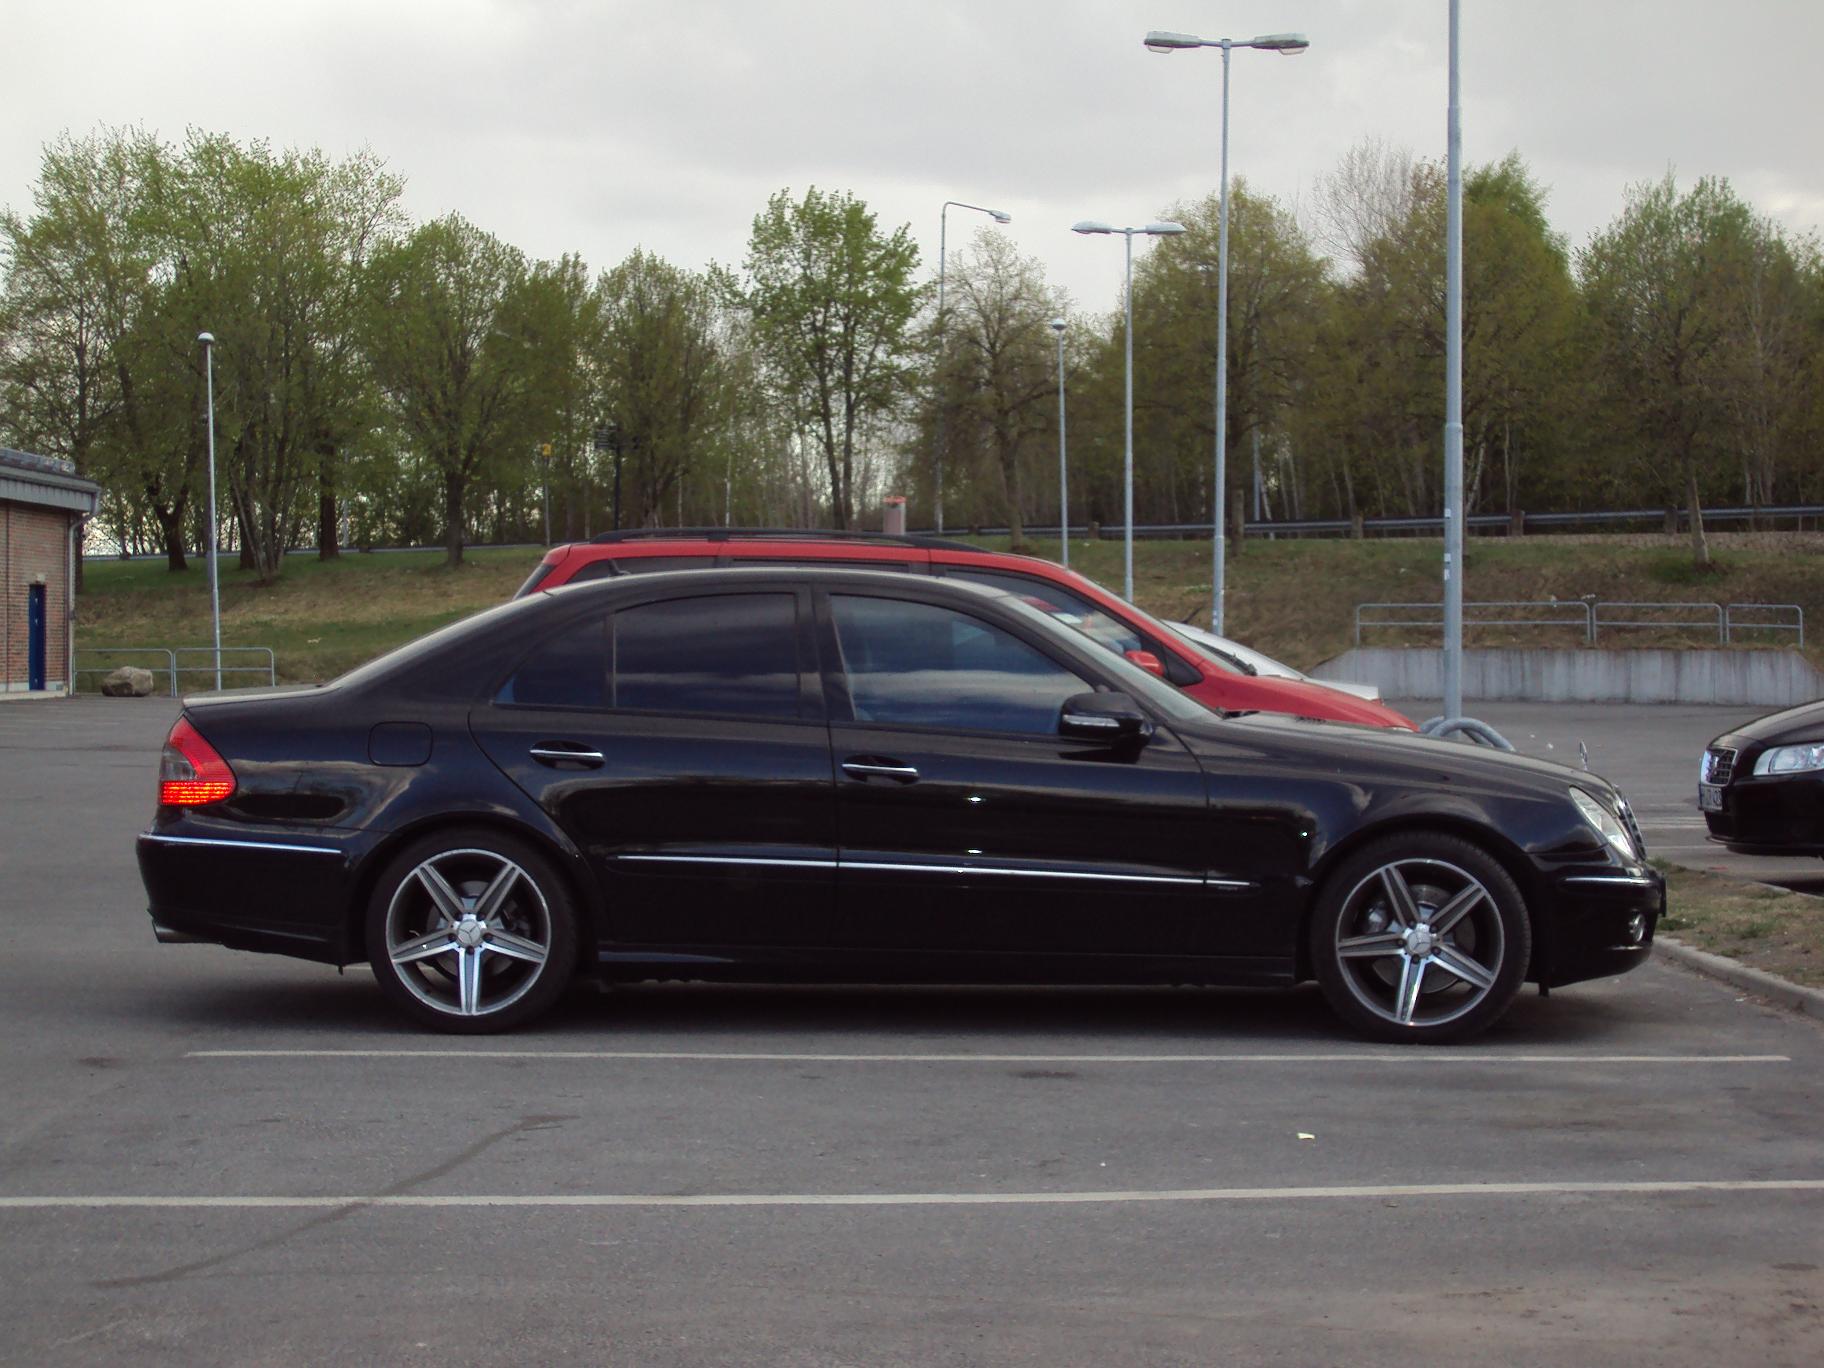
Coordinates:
[211,1157]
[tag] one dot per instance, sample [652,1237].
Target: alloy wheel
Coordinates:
[1420,942]
[468,932]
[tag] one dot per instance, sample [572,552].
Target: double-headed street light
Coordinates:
[1287,45]
[1162,229]
[999,216]
[1057,326]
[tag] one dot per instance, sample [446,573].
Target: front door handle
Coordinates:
[871,766]
[556,753]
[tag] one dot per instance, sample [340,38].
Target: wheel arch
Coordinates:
[564,857]
[1499,847]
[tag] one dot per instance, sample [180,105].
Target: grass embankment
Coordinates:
[1293,599]
[1768,928]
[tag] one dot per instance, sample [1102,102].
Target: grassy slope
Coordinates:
[1293,599]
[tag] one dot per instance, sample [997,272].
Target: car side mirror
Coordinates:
[1107,717]
[1147,661]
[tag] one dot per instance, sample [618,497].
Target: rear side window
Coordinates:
[568,670]
[725,653]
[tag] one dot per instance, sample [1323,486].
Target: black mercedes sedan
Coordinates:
[1761,787]
[854,776]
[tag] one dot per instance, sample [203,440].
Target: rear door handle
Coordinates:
[869,767]
[556,753]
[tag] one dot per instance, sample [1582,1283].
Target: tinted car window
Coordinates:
[568,670]
[726,653]
[915,664]
[1064,605]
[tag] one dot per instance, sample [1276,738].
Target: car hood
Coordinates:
[1308,699]
[1337,746]
[1803,723]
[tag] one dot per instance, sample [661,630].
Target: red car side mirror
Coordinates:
[1147,661]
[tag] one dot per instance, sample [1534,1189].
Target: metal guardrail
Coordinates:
[1343,526]
[1263,528]
[172,668]
[1565,613]
[170,657]
[1731,626]
[1588,616]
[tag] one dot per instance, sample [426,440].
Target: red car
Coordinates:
[1065,594]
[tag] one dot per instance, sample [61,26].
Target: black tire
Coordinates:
[1392,975]
[471,931]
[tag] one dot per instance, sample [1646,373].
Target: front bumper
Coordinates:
[1603,922]
[1771,814]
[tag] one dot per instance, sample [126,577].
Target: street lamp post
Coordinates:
[1453,393]
[215,586]
[1057,326]
[999,216]
[1287,45]
[1161,229]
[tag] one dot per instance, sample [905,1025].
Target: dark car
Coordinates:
[1068,596]
[844,775]
[1761,787]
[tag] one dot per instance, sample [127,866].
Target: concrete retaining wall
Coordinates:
[1773,678]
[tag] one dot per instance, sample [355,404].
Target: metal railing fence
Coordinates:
[173,668]
[1591,617]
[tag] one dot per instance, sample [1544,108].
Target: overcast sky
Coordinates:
[595,126]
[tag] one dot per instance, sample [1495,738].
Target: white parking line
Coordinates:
[891,1199]
[1432,1058]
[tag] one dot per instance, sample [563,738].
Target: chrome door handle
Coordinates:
[865,769]
[561,755]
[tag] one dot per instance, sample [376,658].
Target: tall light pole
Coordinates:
[1453,397]
[1057,326]
[1160,229]
[999,216]
[1287,45]
[215,587]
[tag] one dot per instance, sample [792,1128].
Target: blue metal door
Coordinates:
[34,635]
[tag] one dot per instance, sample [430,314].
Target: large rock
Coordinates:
[129,681]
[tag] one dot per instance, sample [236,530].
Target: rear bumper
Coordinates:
[1603,924]
[281,895]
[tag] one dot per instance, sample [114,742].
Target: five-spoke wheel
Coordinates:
[1420,937]
[471,931]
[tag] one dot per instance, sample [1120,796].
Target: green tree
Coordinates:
[449,333]
[269,249]
[832,300]
[1658,285]
[661,366]
[998,375]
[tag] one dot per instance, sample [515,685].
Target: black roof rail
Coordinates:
[728,534]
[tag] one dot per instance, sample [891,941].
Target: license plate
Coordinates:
[1710,797]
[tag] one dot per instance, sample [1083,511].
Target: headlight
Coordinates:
[1791,759]
[1606,823]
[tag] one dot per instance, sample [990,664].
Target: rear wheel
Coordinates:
[471,931]
[1420,938]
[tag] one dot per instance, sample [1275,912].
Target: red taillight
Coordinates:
[190,773]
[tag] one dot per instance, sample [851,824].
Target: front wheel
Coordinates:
[471,931]
[1420,938]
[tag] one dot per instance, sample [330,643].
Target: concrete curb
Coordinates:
[1792,996]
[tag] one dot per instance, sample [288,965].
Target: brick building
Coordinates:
[42,503]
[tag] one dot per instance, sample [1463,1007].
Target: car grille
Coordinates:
[1719,765]
[1632,826]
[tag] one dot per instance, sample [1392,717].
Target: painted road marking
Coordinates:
[1431,1058]
[891,1199]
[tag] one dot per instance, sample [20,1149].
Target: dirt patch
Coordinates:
[1768,928]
